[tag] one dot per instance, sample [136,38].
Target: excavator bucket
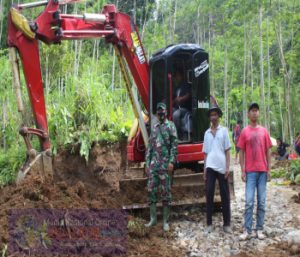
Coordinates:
[188,188]
[38,164]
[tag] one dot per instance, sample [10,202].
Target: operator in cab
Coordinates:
[182,105]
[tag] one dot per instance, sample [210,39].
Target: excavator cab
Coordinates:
[181,72]
[179,77]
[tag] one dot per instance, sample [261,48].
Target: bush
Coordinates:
[294,170]
[10,162]
[297,179]
[279,173]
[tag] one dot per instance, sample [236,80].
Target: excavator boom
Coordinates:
[51,27]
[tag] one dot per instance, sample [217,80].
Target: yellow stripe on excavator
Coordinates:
[135,126]
[21,23]
[134,101]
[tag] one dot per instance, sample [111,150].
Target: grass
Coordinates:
[10,162]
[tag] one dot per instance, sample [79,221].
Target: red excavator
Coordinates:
[155,82]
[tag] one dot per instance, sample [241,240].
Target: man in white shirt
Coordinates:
[216,167]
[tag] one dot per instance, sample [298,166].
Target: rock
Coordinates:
[195,253]
[295,249]
[62,185]
[234,252]
[277,239]
[80,189]
[278,231]
[193,243]
[183,243]
[227,248]
[293,236]
[290,243]
[180,234]
[269,232]
[235,245]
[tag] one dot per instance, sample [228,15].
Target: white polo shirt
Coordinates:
[214,147]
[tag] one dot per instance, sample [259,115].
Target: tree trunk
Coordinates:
[261,64]
[66,9]
[281,115]
[199,35]
[61,86]
[211,71]
[269,80]
[4,144]
[212,68]
[75,56]
[78,48]
[95,49]
[174,19]
[209,30]
[287,80]
[113,71]
[251,74]
[203,30]
[134,11]
[244,79]
[225,89]
[145,21]
[75,48]
[1,20]
[47,77]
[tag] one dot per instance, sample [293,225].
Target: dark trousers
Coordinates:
[211,177]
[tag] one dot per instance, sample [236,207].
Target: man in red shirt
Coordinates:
[255,159]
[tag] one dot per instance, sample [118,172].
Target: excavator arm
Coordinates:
[51,27]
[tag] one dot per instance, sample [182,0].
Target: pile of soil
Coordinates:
[77,184]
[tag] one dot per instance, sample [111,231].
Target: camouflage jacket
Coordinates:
[162,147]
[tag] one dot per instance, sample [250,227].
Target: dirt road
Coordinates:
[282,216]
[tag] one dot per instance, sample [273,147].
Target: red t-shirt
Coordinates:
[255,142]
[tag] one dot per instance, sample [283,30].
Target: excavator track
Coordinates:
[188,188]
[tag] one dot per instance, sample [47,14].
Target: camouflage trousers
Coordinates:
[159,181]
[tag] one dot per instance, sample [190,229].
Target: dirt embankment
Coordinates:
[80,185]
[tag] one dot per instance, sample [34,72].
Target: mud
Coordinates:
[80,185]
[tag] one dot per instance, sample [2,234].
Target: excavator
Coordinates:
[154,80]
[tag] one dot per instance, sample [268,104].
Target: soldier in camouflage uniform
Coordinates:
[160,158]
